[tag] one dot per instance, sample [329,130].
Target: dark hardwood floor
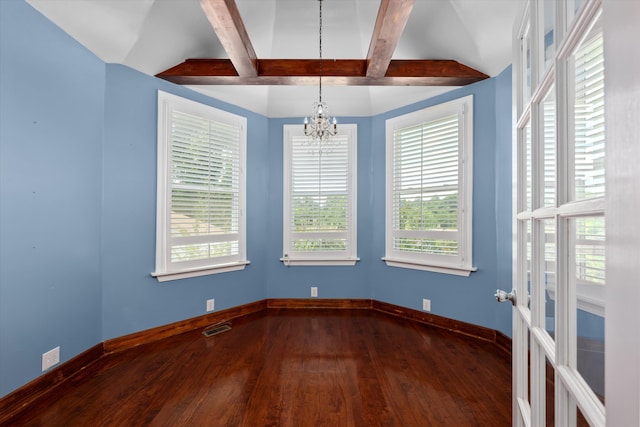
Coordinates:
[293,367]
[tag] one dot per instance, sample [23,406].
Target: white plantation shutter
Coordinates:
[425,187]
[549,156]
[589,156]
[205,173]
[201,186]
[319,197]
[589,120]
[428,189]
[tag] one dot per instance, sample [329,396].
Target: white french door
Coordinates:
[559,207]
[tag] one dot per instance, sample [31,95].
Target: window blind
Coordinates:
[549,136]
[589,157]
[589,119]
[425,187]
[528,160]
[205,177]
[320,203]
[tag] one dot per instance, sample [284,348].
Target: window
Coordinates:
[319,226]
[200,226]
[429,188]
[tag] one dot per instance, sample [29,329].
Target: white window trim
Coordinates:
[462,271]
[328,258]
[463,264]
[165,270]
[196,272]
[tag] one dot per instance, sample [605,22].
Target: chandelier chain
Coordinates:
[320,128]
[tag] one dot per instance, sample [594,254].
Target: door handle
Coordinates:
[502,296]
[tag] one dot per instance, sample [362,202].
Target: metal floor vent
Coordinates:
[216,329]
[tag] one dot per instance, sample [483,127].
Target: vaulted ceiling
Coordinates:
[262,54]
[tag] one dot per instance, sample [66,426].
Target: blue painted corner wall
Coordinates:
[332,282]
[51,128]
[78,194]
[132,299]
[469,299]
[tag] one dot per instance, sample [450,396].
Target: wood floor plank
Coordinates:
[294,367]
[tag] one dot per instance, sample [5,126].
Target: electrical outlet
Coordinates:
[50,358]
[426,304]
[314,291]
[211,304]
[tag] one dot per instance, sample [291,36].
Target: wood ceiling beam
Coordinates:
[392,18]
[339,72]
[225,19]
[378,69]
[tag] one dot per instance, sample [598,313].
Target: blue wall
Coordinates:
[332,282]
[132,299]
[77,207]
[51,125]
[469,299]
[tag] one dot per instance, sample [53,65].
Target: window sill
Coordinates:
[293,262]
[458,271]
[203,271]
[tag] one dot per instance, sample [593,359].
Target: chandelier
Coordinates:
[321,127]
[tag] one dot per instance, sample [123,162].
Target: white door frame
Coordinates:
[622,348]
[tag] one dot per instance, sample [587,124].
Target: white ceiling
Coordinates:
[153,35]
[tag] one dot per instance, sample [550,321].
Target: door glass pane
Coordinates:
[523,372]
[589,259]
[591,350]
[528,167]
[573,9]
[529,367]
[526,65]
[549,132]
[589,132]
[550,382]
[550,274]
[580,419]
[529,263]
[549,33]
